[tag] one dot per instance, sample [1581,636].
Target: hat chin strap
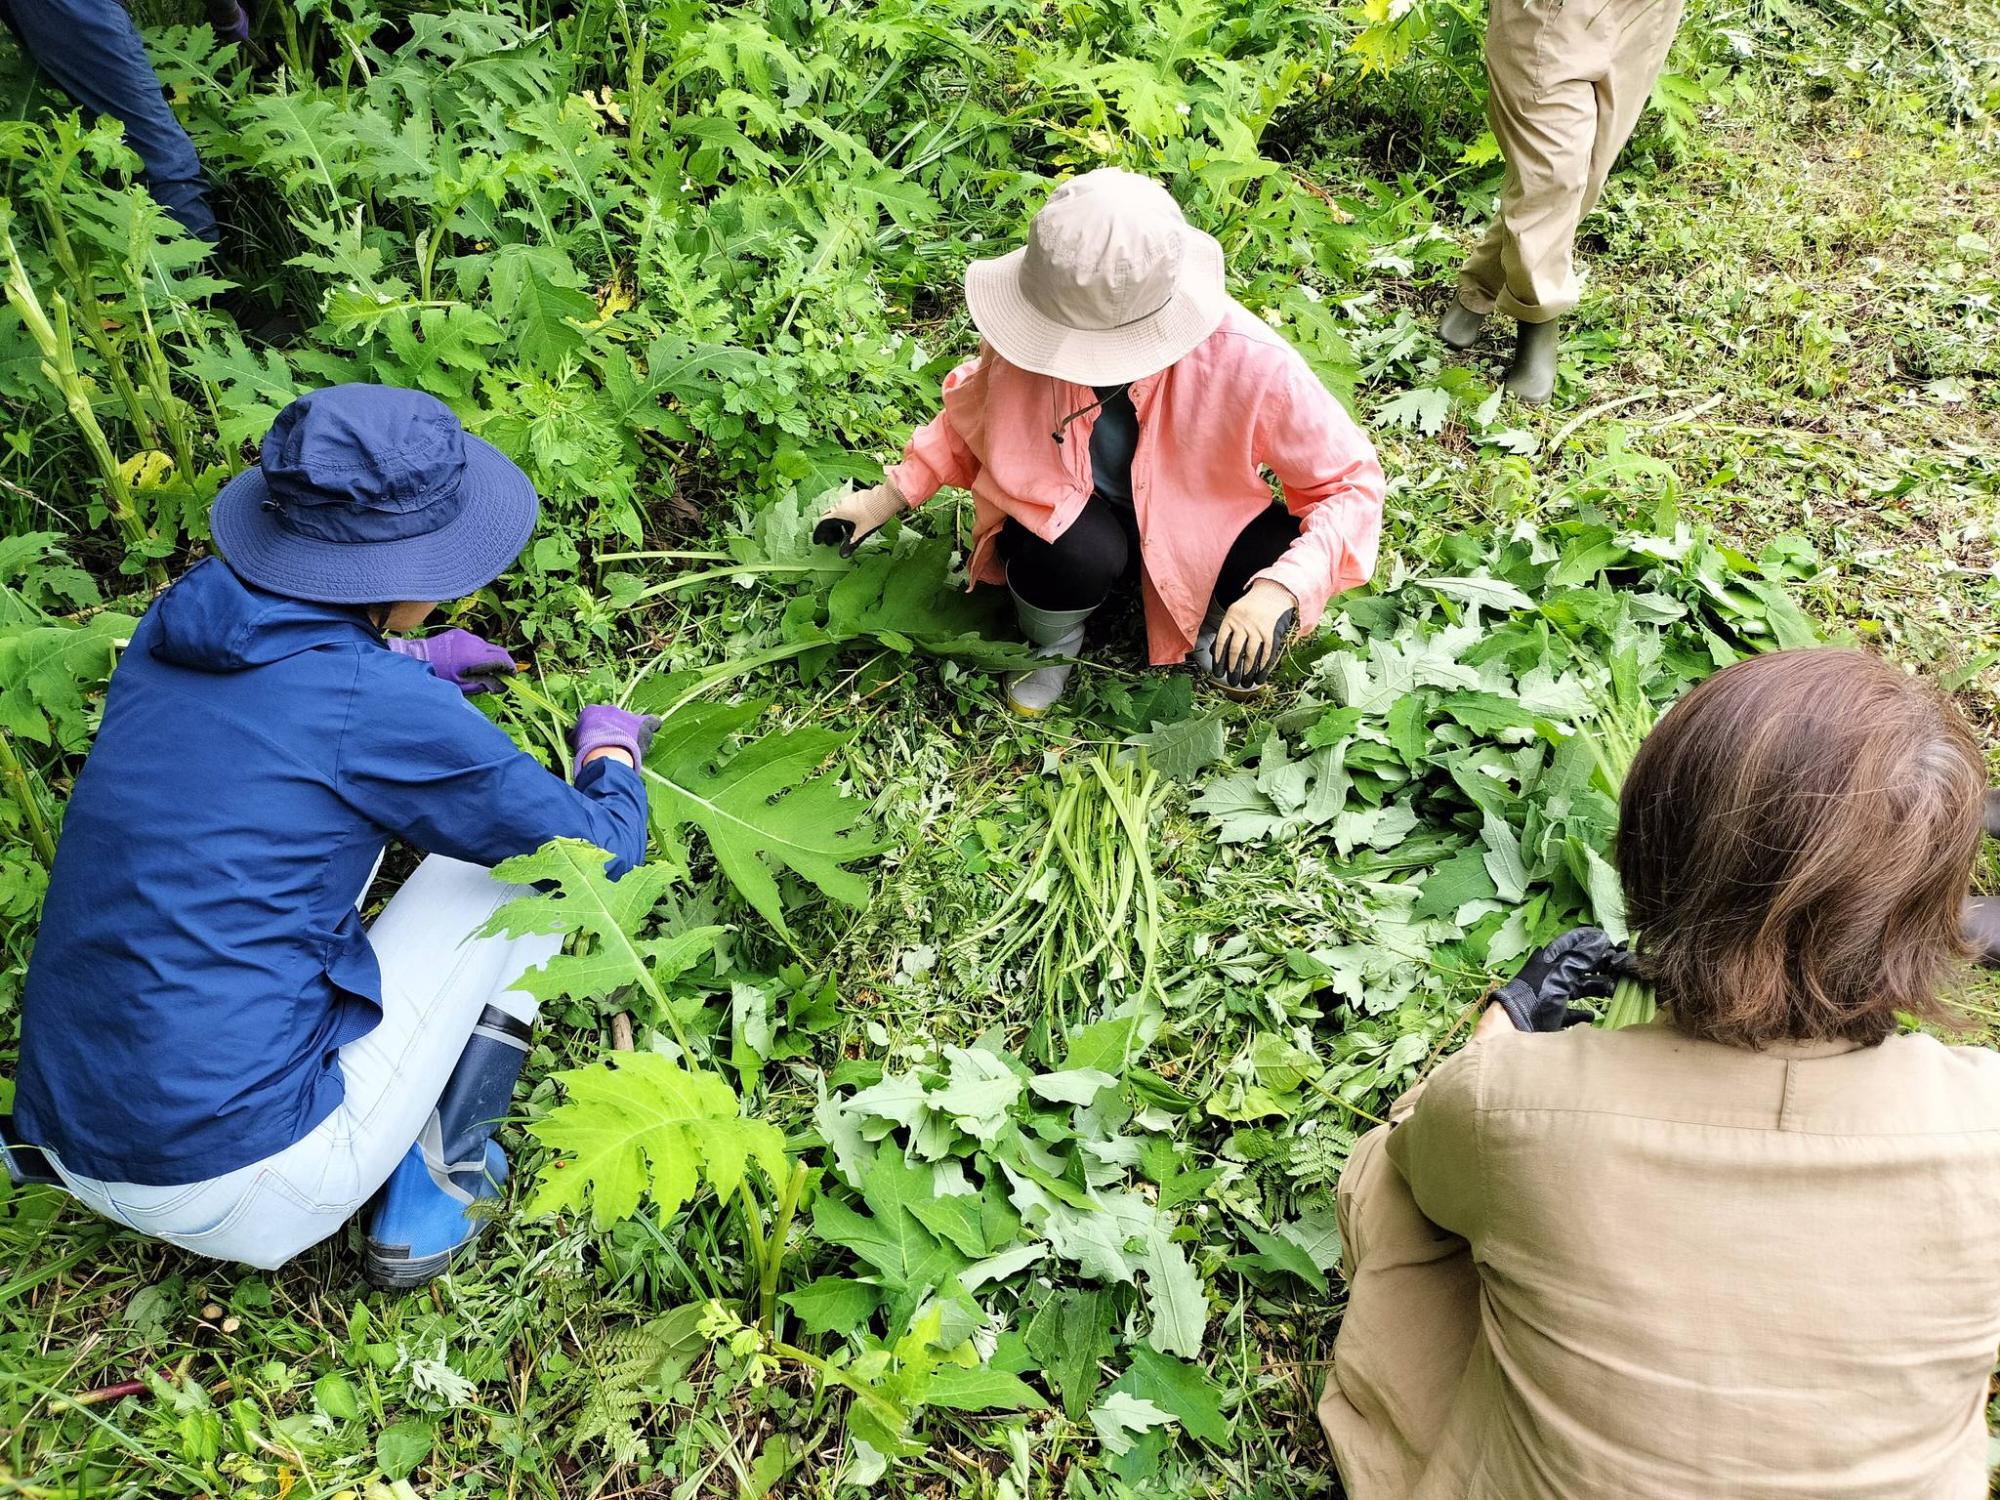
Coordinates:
[1084,411]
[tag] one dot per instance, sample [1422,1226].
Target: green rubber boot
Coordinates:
[1460,326]
[1532,376]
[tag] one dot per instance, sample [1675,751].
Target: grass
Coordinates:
[1791,317]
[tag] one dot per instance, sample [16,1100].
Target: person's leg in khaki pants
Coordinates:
[1412,1315]
[1568,81]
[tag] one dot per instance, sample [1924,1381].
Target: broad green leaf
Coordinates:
[1070,1335]
[1504,861]
[543,318]
[764,805]
[1175,1297]
[1460,880]
[833,1304]
[1317,1232]
[1179,750]
[334,1394]
[1489,593]
[640,1124]
[980,1390]
[1121,1417]
[45,671]
[1073,1085]
[979,1224]
[979,1093]
[910,1259]
[1423,407]
[399,1449]
[1275,1253]
[1181,1389]
[1104,1046]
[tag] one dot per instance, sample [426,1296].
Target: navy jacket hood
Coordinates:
[213,621]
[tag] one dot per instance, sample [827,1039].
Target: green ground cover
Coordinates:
[990,1078]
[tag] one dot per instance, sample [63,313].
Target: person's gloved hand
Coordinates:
[603,727]
[857,515]
[229,21]
[1580,965]
[1252,635]
[468,663]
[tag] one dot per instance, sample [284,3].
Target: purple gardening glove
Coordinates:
[602,727]
[461,658]
[229,21]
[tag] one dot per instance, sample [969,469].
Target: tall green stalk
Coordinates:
[14,773]
[50,330]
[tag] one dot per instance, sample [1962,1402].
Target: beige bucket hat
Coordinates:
[1113,284]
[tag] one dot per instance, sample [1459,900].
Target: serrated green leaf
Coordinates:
[1277,1254]
[1317,1232]
[1179,750]
[890,1237]
[1070,1335]
[640,1124]
[766,804]
[1175,1297]
[578,897]
[334,1394]
[1122,1416]
[1073,1085]
[980,1390]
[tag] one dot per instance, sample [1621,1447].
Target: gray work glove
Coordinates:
[858,515]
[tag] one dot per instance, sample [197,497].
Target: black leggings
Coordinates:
[1080,568]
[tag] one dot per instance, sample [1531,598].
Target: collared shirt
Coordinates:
[1706,1271]
[1210,427]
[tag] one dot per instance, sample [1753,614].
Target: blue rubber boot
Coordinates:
[423,1217]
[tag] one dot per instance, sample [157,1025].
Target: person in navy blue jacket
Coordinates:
[213,1049]
[91,50]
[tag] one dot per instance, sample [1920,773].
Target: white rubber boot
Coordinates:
[1054,632]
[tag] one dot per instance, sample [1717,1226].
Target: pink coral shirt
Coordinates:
[1210,425]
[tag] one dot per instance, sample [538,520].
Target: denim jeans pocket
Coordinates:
[198,1210]
[256,1196]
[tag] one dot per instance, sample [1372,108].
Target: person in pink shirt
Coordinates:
[1116,427]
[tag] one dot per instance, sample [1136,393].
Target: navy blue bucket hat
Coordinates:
[372,495]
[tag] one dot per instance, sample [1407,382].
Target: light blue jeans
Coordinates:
[437,976]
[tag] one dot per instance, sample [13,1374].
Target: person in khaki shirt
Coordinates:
[1566,82]
[1751,1250]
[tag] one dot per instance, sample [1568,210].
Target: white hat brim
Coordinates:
[1028,338]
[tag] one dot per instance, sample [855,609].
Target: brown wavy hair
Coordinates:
[1796,841]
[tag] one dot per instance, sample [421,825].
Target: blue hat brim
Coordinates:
[469,552]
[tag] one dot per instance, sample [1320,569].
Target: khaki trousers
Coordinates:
[1568,81]
[1412,1315]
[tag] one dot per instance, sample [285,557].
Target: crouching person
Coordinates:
[1747,1249]
[213,1050]
[1115,430]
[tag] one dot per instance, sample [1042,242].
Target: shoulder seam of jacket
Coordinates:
[340,743]
[1625,1114]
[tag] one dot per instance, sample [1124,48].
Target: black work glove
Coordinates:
[1580,965]
[1252,635]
